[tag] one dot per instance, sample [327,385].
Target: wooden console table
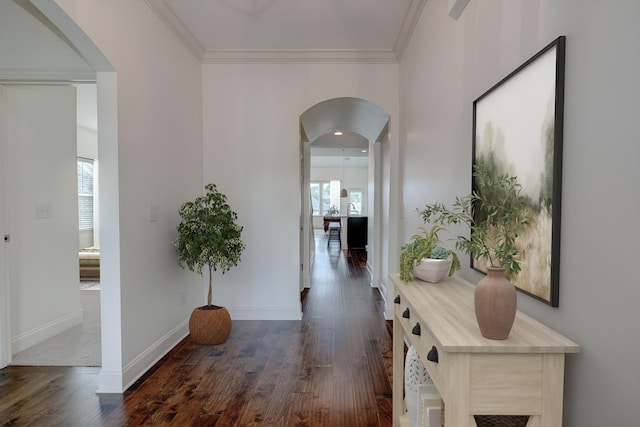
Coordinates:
[522,375]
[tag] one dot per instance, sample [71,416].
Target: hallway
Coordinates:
[330,369]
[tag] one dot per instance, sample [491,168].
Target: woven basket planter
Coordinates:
[210,325]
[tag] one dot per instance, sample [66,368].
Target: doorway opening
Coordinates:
[98,70]
[55,320]
[341,155]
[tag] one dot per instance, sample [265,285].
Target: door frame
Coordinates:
[5,322]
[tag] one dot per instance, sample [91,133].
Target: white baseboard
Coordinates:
[117,381]
[110,381]
[145,361]
[388,304]
[370,271]
[44,332]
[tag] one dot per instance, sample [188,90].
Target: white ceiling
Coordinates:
[292,24]
[292,30]
[348,150]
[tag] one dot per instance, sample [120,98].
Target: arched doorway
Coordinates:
[365,125]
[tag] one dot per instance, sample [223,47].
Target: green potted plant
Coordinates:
[333,211]
[496,215]
[208,235]
[426,259]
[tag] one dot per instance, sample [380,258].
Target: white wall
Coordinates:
[251,150]
[158,163]
[40,170]
[446,66]
[87,143]
[357,178]
[21,31]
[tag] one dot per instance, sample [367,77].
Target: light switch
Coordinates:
[153,213]
[44,210]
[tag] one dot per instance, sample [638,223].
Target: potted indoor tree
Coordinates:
[496,214]
[208,235]
[425,259]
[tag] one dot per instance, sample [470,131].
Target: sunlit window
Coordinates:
[85,193]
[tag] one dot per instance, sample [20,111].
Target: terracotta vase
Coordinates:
[495,302]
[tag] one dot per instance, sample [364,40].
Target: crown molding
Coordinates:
[177,27]
[228,56]
[269,56]
[408,26]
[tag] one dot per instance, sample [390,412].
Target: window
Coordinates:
[356,199]
[324,195]
[85,193]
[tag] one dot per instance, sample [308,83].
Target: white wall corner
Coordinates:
[408,25]
[456,7]
[177,27]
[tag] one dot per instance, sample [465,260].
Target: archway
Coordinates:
[317,124]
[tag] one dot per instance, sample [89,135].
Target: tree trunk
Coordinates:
[210,279]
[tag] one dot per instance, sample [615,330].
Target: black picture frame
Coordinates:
[519,123]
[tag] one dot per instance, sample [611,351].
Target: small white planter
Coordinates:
[432,270]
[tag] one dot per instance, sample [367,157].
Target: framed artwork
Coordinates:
[517,129]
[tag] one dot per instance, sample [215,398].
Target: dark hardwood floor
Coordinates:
[330,369]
